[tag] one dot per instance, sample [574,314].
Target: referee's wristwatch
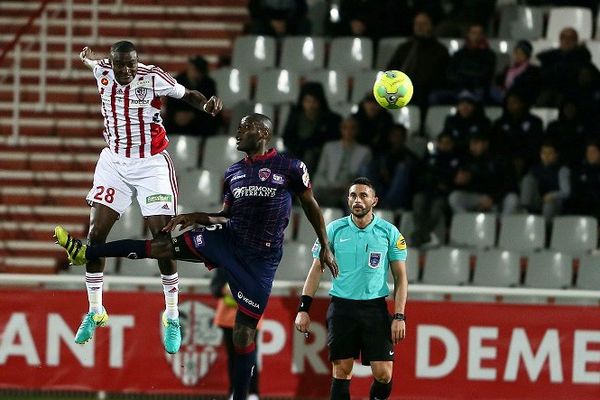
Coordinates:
[399,317]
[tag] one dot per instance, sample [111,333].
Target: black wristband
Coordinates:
[399,317]
[305,302]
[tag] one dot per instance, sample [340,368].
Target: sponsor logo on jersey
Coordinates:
[104,81]
[401,243]
[278,179]
[120,91]
[374,259]
[165,207]
[251,191]
[158,198]
[246,300]
[198,240]
[240,176]
[264,174]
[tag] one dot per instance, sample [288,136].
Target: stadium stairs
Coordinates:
[44,179]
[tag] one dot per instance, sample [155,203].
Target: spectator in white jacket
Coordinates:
[339,164]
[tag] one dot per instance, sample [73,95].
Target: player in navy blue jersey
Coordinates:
[245,237]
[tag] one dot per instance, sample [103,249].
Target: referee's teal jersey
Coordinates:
[363,257]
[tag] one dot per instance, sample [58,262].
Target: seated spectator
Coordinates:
[182,118]
[310,124]
[569,132]
[519,75]
[517,134]
[374,121]
[560,67]
[483,183]
[459,14]
[278,18]
[547,186]
[587,92]
[585,183]
[434,182]
[469,119]
[392,170]
[423,58]
[339,164]
[471,68]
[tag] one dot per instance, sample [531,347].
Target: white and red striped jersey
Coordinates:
[132,123]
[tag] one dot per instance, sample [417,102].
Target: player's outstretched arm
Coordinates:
[212,106]
[314,215]
[89,58]
[311,285]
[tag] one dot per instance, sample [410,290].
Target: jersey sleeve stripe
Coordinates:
[165,76]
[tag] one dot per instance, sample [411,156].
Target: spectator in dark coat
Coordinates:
[519,75]
[569,132]
[469,119]
[180,117]
[560,67]
[585,183]
[278,18]
[423,58]
[374,121]
[310,124]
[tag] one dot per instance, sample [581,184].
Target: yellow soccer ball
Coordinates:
[392,89]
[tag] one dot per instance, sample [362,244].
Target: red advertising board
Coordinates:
[452,350]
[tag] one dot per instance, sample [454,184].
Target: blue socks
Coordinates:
[121,248]
[243,369]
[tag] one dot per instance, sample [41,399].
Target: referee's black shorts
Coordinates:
[359,328]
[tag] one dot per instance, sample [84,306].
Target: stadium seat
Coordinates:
[295,263]
[446,266]
[521,22]
[362,84]
[143,267]
[546,114]
[598,27]
[579,18]
[418,145]
[245,108]
[219,153]
[351,54]
[388,215]
[130,225]
[473,230]
[407,225]
[253,53]
[549,270]
[522,232]
[588,275]
[386,47]
[499,268]
[283,113]
[503,49]
[412,266]
[277,86]
[344,109]
[201,190]
[335,84]
[233,85]
[302,54]
[306,233]
[185,152]
[434,120]
[574,234]
[493,112]
[410,117]
[452,44]
[594,48]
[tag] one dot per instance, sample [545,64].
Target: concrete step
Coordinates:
[49,214]
[29,265]
[20,160]
[54,127]
[40,196]
[48,179]
[46,144]
[41,231]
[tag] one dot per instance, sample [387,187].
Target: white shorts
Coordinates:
[152,180]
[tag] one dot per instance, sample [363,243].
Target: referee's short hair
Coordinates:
[363,180]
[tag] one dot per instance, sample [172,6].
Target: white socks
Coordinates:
[93,283]
[171,289]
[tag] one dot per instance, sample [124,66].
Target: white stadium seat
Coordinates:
[446,266]
[253,53]
[473,230]
[351,54]
[302,54]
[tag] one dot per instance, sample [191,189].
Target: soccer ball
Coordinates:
[392,89]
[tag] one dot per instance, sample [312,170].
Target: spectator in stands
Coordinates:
[459,14]
[310,124]
[547,186]
[569,132]
[374,122]
[278,17]
[560,67]
[587,92]
[585,183]
[519,75]
[483,182]
[434,182]
[517,134]
[423,58]
[472,68]
[469,119]
[180,117]
[339,164]
[225,319]
[392,170]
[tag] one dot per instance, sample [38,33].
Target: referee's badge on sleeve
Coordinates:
[401,243]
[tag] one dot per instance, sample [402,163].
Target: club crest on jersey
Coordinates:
[141,92]
[264,174]
[201,339]
[374,259]
[104,81]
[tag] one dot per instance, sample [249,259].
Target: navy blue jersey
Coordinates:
[259,191]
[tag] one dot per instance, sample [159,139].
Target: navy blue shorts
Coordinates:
[250,273]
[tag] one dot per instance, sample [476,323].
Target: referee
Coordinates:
[358,323]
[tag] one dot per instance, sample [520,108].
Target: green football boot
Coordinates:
[89,324]
[171,334]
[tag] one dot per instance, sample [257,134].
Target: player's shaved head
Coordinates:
[123,46]
[262,121]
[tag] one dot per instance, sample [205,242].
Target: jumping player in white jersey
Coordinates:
[135,162]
